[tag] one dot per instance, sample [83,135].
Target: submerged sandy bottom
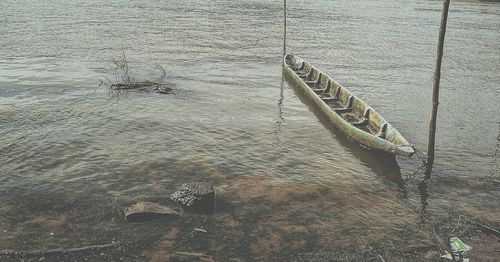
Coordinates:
[257,219]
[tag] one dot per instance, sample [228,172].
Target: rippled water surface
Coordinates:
[289,187]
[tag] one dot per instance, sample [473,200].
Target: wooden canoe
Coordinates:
[344,110]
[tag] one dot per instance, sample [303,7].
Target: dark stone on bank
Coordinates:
[198,197]
[145,211]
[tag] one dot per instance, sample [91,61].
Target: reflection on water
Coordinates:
[281,120]
[424,193]
[381,163]
[289,186]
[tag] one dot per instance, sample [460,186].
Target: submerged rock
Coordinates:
[144,211]
[196,197]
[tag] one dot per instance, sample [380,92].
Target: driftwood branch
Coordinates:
[445,246]
[483,226]
[125,82]
[376,253]
[121,64]
[56,251]
[162,70]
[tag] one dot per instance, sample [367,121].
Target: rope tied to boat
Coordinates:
[421,163]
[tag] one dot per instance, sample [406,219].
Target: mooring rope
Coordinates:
[495,154]
[421,164]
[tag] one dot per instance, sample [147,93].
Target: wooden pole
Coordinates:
[435,86]
[284,28]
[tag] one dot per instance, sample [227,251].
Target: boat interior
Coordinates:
[340,100]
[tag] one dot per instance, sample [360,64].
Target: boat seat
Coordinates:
[313,82]
[301,75]
[364,121]
[327,96]
[383,131]
[299,68]
[323,90]
[327,99]
[304,75]
[347,108]
[342,110]
[328,86]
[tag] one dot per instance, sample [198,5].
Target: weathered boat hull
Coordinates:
[367,126]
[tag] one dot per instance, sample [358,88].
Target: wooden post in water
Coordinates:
[435,86]
[284,28]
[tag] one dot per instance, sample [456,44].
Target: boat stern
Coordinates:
[405,150]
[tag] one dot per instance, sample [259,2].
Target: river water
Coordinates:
[289,187]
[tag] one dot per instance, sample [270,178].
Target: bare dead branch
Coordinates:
[376,253]
[125,82]
[162,70]
[483,226]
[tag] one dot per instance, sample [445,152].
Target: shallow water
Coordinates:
[287,182]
